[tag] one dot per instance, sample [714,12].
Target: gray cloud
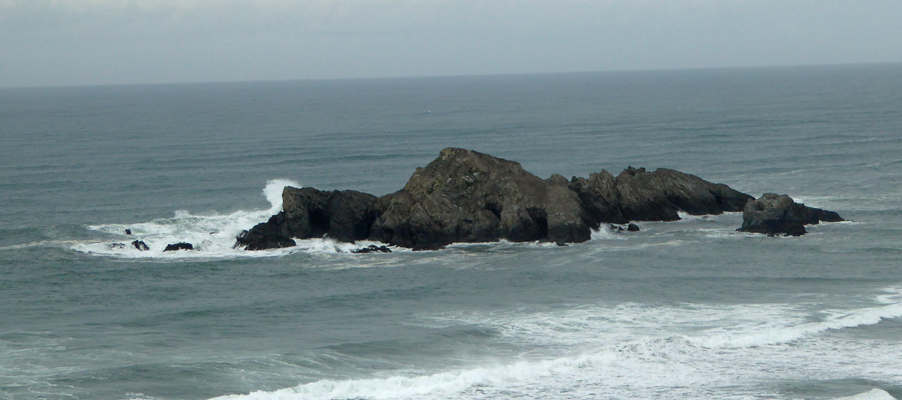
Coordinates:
[143,41]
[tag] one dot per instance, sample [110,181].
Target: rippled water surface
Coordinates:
[686,309]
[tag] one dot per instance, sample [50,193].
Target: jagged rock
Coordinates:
[599,197]
[632,227]
[140,245]
[179,246]
[266,235]
[344,216]
[372,249]
[658,195]
[466,196]
[775,214]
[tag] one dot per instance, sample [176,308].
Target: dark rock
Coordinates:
[117,246]
[372,249]
[466,196]
[128,231]
[659,195]
[632,227]
[266,235]
[599,198]
[179,246]
[344,216]
[774,214]
[140,245]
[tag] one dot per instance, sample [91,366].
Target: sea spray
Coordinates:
[212,234]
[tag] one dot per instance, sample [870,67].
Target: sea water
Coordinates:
[686,309]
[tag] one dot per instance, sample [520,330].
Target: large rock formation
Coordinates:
[775,214]
[466,196]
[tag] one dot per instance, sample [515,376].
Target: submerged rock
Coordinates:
[372,249]
[774,214]
[179,246]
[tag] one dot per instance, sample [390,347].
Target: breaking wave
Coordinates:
[212,235]
[631,350]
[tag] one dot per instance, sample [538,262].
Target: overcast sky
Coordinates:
[77,42]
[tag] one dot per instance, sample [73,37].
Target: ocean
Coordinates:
[687,309]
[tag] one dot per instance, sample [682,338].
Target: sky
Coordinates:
[87,42]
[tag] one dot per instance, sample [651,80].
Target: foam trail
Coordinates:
[835,320]
[727,326]
[873,394]
[445,383]
[628,349]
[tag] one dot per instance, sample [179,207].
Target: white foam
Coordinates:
[273,193]
[604,232]
[721,326]
[212,235]
[873,394]
[440,384]
[784,331]
[633,350]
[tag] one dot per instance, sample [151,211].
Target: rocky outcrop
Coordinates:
[307,213]
[140,245]
[466,196]
[266,235]
[660,195]
[599,197]
[774,214]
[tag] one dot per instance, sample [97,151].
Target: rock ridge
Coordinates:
[467,196]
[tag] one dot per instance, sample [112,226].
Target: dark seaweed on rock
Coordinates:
[466,196]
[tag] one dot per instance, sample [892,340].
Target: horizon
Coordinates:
[698,69]
[114,42]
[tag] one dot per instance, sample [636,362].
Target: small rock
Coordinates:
[117,246]
[128,231]
[179,246]
[372,249]
[632,227]
[774,214]
[140,245]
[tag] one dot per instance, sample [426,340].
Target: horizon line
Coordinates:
[393,77]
